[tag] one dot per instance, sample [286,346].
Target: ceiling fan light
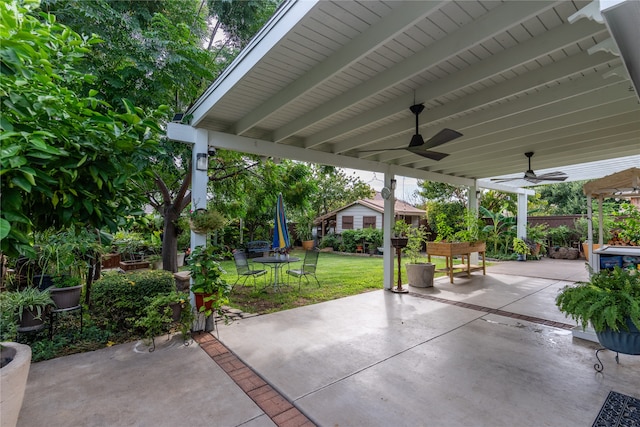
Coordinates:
[416,140]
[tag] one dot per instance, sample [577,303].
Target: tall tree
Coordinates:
[67,156]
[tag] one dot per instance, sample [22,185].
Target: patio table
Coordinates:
[275,263]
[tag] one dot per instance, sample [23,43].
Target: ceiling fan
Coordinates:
[419,146]
[531,176]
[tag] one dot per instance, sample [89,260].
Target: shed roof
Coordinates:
[621,184]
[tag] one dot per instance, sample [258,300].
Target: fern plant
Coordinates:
[608,300]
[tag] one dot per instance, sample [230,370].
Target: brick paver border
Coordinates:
[497,311]
[277,407]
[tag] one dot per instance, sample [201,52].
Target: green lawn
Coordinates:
[339,276]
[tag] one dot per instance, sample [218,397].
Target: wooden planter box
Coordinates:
[133,265]
[464,249]
[111,260]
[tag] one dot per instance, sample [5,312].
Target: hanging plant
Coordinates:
[206,221]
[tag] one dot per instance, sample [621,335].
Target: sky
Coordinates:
[405,186]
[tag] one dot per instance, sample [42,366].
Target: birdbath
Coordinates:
[399,243]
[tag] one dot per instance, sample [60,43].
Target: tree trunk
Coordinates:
[170,240]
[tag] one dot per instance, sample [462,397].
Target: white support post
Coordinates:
[389,216]
[521,228]
[199,182]
[590,230]
[472,207]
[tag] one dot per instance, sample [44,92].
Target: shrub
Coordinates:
[350,240]
[330,241]
[118,300]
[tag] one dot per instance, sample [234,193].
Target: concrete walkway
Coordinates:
[475,353]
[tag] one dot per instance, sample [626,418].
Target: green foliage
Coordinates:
[442,192]
[445,219]
[118,300]
[520,247]
[560,235]
[630,225]
[67,156]
[500,231]
[401,228]
[207,220]
[158,317]
[335,189]
[417,236]
[473,230]
[564,198]
[206,274]
[129,244]
[330,240]
[607,300]
[350,240]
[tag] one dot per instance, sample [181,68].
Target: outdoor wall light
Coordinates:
[202,162]
[393,184]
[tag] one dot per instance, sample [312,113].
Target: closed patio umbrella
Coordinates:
[280,232]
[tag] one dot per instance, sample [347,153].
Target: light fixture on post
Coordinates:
[393,184]
[202,162]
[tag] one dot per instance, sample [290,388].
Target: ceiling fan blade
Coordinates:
[445,135]
[433,155]
[552,176]
[379,150]
[504,179]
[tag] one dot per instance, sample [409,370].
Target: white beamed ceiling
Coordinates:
[338,77]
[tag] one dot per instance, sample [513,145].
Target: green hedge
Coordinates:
[118,300]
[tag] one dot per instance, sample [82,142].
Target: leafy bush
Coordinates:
[118,300]
[330,241]
[350,240]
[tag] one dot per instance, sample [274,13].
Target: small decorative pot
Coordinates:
[200,302]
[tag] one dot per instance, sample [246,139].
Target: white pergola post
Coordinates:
[389,216]
[472,207]
[521,228]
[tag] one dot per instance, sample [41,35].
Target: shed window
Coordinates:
[347,222]
[368,222]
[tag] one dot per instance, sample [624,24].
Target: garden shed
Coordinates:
[624,184]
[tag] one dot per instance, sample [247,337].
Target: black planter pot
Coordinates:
[65,298]
[30,322]
[625,342]
[399,242]
[42,281]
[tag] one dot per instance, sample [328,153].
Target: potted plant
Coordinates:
[400,231]
[165,311]
[536,238]
[521,248]
[66,291]
[205,221]
[419,274]
[28,306]
[610,302]
[210,290]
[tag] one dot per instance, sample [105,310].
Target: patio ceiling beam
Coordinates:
[486,97]
[494,22]
[399,20]
[558,38]
[186,133]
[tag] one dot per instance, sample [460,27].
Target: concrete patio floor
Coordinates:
[375,359]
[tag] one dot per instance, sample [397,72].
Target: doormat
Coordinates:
[619,410]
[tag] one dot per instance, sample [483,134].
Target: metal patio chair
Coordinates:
[308,268]
[243,269]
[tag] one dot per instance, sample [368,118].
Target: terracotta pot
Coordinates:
[307,245]
[200,302]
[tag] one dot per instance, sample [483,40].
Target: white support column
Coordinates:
[199,181]
[389,216]
[472,207]
[590,230]
[521,228]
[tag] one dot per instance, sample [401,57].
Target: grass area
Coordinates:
[340,275]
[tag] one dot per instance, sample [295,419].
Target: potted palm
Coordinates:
[210,290]
[610,302]
[419,274]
